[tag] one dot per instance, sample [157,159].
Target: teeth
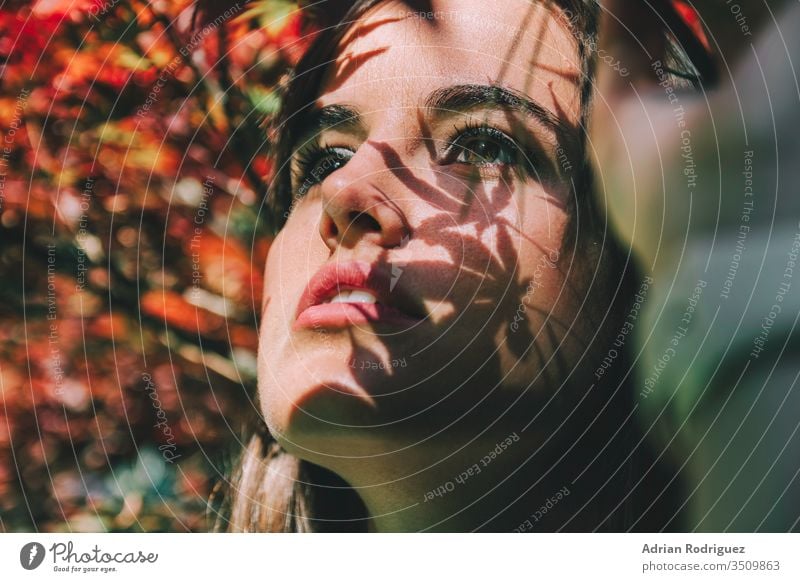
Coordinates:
[353,297]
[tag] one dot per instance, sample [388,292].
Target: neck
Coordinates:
[558,469]
[472,502]
[502,484]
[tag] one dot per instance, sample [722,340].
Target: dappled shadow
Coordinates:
[581,427]
[492,311]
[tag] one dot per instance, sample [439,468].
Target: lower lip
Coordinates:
[342,315]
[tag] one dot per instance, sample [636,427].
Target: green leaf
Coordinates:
[272,14]
[264,101]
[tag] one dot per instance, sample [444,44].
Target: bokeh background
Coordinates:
[133,164]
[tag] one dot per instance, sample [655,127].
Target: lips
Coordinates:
[353,293]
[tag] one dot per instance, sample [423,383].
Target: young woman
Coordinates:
[443,300]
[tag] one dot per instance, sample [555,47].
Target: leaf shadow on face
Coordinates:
[490,307]
[493,307]
[495,301]
[469,398]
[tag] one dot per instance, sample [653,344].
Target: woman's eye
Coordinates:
[479,152]
[316,165]
[484,147]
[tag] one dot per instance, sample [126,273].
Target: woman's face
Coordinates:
[420,281]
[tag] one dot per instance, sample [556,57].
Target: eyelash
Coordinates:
[518,158]
[309,159]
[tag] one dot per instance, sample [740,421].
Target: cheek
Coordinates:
[534,230]
[487,262]
[295,255]
[271,270]
[548,311]
[540,268]
[277,280]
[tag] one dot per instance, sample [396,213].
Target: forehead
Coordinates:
[404,53]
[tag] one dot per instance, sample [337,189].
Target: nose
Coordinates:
[356,208]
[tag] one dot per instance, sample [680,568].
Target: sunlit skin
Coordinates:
[470,229]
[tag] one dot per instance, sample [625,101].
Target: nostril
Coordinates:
[363,221]
[333,230]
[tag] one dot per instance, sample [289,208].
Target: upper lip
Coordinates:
[332,278]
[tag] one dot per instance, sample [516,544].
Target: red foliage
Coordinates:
[133,254]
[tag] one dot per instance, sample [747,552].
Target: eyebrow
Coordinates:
[463,98]
[340,117]
[441,103]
